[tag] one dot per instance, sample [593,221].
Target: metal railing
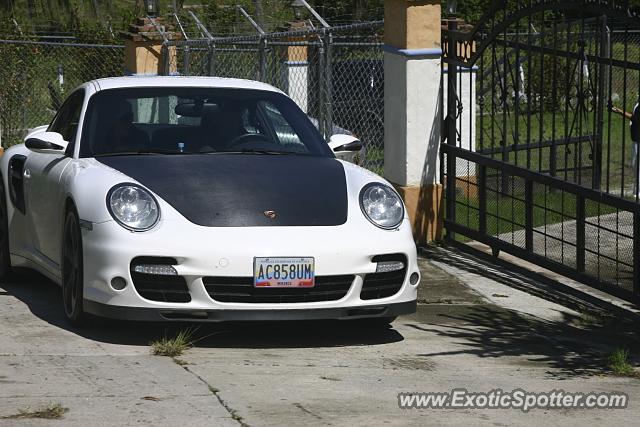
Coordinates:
[539,160]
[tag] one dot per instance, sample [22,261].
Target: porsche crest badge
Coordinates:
[270,214]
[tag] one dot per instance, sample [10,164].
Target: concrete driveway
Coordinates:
[318,373]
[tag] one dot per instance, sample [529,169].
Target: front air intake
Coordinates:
[241,289]
[159,287]
[387,283]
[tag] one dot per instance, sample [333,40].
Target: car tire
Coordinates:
[72,270]
[5,257]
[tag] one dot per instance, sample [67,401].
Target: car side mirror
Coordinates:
[341,142]
[46,142]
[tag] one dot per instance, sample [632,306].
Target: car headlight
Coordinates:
[381,205]
[133,207]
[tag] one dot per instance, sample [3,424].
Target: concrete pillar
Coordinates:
[412,118]
[296,69]
[143,54]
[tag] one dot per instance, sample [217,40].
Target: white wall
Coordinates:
[296,80]
[412,117]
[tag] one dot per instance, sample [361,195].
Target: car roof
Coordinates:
[179,81]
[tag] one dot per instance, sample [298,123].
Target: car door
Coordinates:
[42,173]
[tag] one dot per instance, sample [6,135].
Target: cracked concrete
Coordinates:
[214,391]
[468,332]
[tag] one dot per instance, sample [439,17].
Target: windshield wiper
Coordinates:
[249,151]
[136,152]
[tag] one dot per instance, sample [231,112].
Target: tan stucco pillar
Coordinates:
[295,71]
[412,118]
[143,49]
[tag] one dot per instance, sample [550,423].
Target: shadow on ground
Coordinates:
[43,298]
[568,347]
[475,261]
[572,347]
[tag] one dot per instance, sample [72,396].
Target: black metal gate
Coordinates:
[538,158]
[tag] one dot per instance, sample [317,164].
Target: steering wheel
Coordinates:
[241,138]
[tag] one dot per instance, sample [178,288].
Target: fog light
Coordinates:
[413,279]
[161,270]
[118,283]
[387,266]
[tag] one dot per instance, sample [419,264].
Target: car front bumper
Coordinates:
[173,315]
[228,252]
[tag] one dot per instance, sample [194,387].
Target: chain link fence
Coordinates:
[36,76]
[335,75]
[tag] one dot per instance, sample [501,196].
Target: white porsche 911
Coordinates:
[202,199]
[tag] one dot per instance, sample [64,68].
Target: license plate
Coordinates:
[283,272]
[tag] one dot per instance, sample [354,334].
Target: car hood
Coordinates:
[240,190]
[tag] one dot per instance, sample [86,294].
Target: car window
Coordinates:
[160,110]
[66,120]
[197,120]
[285,133]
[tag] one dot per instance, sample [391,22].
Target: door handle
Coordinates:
[26,174]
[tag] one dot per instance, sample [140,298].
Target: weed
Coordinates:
[619,363]
[54,411]
[173,347]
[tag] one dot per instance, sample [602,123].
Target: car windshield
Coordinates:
[197,120]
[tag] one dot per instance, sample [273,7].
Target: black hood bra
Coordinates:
[239,190]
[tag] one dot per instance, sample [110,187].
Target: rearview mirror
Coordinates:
[46,142]
[341,142]
[194,109]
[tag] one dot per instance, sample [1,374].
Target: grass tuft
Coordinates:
[619,363]
[173,347]
[54,411]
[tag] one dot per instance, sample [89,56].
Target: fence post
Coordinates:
[580,233]
[482,199]
[528,215]
[328,41]
[186,59]
[262,58]
[211,60]
[452,111]
[321,91]
[597,155]
[636,255]
[164,69]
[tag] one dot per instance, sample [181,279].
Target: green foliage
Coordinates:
[102,19]
[472,10]
[553,93]
[341,11]
[100,15]
[28,69]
